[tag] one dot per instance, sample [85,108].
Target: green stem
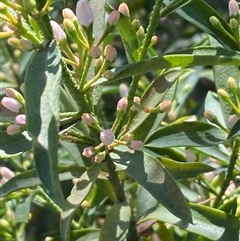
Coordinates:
[154,20]
[85,72]
[229,174]
[114,180]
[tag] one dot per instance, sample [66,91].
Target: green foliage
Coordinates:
[161,161]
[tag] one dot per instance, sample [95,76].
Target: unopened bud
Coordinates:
[136,24]
[6,29]
[110,53]
[209,115]
[68,14]
[99,157]
[233,8]
[13,129]
[20,119]
[136,100]
[123,8]
[88,152]
[107,137]
[69,27]
[88,119]
[165,105]
[140,33]
[113,18]
[14,42]
[222,93]
[11,104]
[153,40]
[108,74]
[122,104]
[95,52]
[123,90]
[231,83]
[26,45]
[232,120]
[12,93]
[127,137]
[6,174]
[136,145]
[234,25]
[84,13]
[57,31]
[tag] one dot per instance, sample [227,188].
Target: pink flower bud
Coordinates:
[165,105]
[136,99]
[110,53]
[57,31]
[10,92]
[6,29]
[122,104]
[233,8]
[123,8]
[136,145]
[232,120]
[11,104]
[13,129]
[88,119]
[123,90]
[68,14]
[88,152]
[20,119]
[113,18]
[107,137]
[26,45]
[6,174]
[95,52]
[84,13]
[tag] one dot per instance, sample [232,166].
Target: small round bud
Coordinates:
[11,104]
[136,24]
[108,74]
[110,53]
[107,137]
[20,119]
[153,40]
[84,13]
[209,115]
[233,8]
[113,18]
[127,137]
[57,31]
[234,25]
[88,119]
[12,93]
[6,174]
[123,90]
[26,45]
[69,26]
[13,129]
[165,105]
[140,33]
[123,8]
[88,152]
[95,52]
[135,145]
[222,93]
[99,157]
[14,42]
[231,83]
[136,99]
[122,104]
[232,120]
[68,14]
[215,22]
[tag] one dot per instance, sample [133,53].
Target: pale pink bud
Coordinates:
[26,45]
[57,31]
[127,137]
[122,104]
[84,13]
[123,8]
[95,52]
[68,13]
[13,129]
[99,157]
[107,137]
[113,18]
[88,119]
[136,99]
[110,53]
[11,104]
[20,119]
[6,29]
[231,188]
[190,155]
[88,152]
[165,105]
[136,145]
[123,90]
[10,92]
[233,8]
[6,174]
[232,120]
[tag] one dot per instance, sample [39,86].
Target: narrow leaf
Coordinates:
[42,94]
[187,134]
[116,223]
[77,196]
[150,174]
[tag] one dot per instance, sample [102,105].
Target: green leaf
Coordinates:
[160,89]
[129,38]
[77,196]
[30,178]
[235,130]
[205,55]
[14,145]
[150,174]
[181,170]
[42,95]
[116,224]
[198,13]
[208,222]
[186,134]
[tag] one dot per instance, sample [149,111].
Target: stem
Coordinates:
[85,72]
[114,180]
[229,174]
[154,20]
